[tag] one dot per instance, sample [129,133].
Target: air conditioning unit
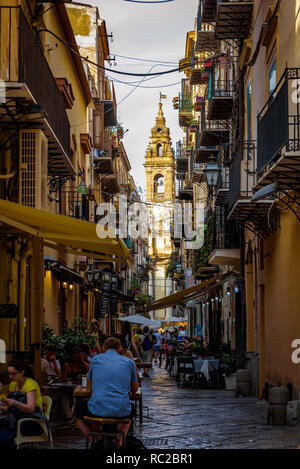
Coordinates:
[33,169]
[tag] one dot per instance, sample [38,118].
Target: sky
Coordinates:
[156,32]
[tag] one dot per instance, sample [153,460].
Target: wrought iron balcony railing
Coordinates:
[233,19]
[213,132]
[74,205]
[23,61]
[242,174]
[205,35]
[278,132]
[220,98]
[185,109]
[208,11]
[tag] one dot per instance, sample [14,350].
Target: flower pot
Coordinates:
[199,99]
[205,76]
[230,382]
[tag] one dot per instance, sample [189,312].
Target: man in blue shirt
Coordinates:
[111,378]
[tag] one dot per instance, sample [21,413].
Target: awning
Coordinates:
[79,237]
[180,297]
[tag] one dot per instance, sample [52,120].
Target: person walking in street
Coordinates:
[128,336]
[147,343]
[157,346]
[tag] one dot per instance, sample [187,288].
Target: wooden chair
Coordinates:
[107,430]
[138,397]
[46,435]
[185,366]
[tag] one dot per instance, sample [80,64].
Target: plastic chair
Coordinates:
[108,431]
[46,435]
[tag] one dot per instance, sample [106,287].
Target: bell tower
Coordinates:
[160,163]
[160,196]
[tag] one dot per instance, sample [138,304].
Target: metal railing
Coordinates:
[185,102]
[278,123]
[226,234]
[75,205]
[221,89]
[211,124]
[34,71]
[242,174]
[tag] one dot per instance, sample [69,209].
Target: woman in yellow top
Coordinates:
[27,390]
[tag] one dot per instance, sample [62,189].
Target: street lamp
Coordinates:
[212,171]
[97,275]
[90,275]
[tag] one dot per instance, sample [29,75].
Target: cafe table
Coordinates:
[205,366]
[85,393]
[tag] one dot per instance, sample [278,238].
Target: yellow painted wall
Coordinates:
[282,301]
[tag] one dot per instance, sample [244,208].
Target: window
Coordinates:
[159,149]
[272,75]
[159,184]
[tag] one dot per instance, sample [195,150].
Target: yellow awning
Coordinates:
[180,297]
[69,231]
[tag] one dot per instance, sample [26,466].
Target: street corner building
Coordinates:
[239,109]
[62,156]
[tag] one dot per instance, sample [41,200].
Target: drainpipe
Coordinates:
[22,298]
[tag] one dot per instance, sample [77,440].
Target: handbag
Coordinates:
[15,414]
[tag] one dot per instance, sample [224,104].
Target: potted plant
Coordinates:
[230,367]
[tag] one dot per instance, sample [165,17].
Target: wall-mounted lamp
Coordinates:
[236,288]
[71,287]
[65,285]
[212,171]
[90,275]
[228,291]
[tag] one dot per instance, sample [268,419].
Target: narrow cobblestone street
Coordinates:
[176,418]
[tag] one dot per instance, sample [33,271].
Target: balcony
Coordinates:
[185,193]
[205,35]
[242,179]
[199,73]
[110,185]
[226,242]
[220,100]
[233,19]
[29,80]
[278,135]
[213,132]
[198,175]
[209,11]
[185,109]
[76,205]
[222,190]
[103,161]
[183,153]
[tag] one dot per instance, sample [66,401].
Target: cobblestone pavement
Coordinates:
[176,418]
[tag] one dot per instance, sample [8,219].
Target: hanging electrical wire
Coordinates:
[150,1]
[144,60]
[85,59]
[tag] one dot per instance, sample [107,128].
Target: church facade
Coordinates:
[160,198]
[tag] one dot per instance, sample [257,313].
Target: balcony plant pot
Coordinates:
[205,76]
[208,64]
[230,382]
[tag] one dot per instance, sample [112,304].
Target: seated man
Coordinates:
[111,378]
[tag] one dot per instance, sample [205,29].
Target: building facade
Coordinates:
[160,197]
